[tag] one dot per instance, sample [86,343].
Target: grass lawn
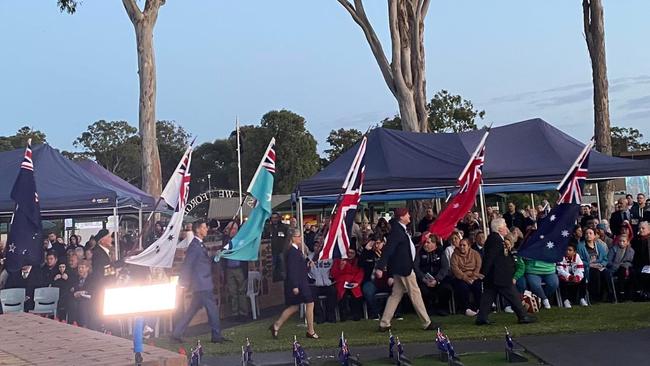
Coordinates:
[471,359]
[458,327]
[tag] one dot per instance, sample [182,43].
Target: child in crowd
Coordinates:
[619,265]
[571,273]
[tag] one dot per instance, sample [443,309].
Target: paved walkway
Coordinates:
[594,349]
[27,339]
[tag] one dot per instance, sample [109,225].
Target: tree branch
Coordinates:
[587,22]
[151,8]
[133,11]
[359,16]
[396,64]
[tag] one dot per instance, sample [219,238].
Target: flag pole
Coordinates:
[242,200]
[584,151]
[241,218]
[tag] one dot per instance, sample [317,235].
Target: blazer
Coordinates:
[616,221]
[99,261]
[196,273]
[498,268]
[397,256]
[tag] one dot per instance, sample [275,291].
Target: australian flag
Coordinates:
[24,243]
[391,345]
[337,240]
[299,354]
[247,352]
[550,241]
[344,351]
[441,341]
[509,343]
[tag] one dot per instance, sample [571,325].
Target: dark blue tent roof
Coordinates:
[531,152]
[64,188]
[127,194]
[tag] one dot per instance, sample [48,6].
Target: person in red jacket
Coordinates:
[348,277]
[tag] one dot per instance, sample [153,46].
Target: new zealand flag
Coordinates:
[550,241]
[24,243]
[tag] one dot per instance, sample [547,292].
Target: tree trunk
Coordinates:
[151,172]
[594,28]
[144,22]
[405,74]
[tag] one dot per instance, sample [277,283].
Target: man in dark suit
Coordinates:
[619,216]
[29,278]
[499,268]
[639,212]
[103,274]
[514,218]
[196,275]
[397,258]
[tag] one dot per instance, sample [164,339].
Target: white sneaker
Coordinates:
[547,305]
[583,302]
[470,312]
[567,304]
[508,309]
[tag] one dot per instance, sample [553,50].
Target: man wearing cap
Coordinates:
[398,257]
[102,259]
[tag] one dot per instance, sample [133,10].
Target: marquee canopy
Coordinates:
[66,188]
[525,156]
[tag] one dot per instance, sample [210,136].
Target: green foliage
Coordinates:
[394,123]
[67,6]
[295,149]
[114,145]
[447,113]
[172,142]
[218,159]
[627,139]
[452,113]
[340,140]
[19,139]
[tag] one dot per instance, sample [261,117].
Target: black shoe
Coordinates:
[441,312]
[527,320]
[483,322]
[173,339]
[384,329]
[432,326]
[220,340]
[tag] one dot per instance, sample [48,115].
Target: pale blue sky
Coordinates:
[219,59]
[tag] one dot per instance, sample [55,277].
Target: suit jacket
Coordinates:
[196,273]
[100,261]
[639,214]
[498,268]
[397,255]
[616,221]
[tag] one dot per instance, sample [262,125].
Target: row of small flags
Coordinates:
[395,351]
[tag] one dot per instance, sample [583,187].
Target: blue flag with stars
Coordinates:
[551,239]
[24,242]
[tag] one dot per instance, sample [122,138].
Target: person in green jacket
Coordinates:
[538,272]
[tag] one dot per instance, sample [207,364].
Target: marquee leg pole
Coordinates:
[140,228]
[116,228]
[598,201]
[482,199]
[300,223]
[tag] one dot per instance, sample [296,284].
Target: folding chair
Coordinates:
[253,291]
[46,300]
[12,300]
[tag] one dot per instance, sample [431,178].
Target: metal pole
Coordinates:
[140,227]
[116,228]
[241,218]
[302,230]
[482,198]
[598,201]
[532,200]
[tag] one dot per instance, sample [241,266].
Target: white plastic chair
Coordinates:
[12,300]
[253,291]
[46,300]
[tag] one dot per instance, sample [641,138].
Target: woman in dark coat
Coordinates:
[296,287]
